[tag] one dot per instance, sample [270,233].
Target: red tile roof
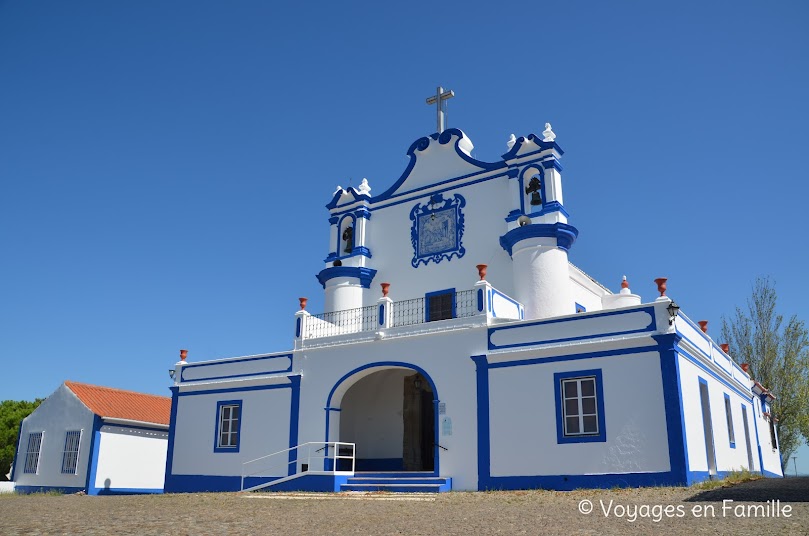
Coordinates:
[120,404]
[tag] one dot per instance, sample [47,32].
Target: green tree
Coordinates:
[12,412]
[778,355]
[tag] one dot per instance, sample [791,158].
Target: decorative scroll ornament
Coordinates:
[437,229]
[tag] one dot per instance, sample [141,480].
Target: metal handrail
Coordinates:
[335,445]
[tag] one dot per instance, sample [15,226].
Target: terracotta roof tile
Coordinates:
[120,404]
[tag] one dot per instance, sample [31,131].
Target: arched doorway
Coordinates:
[390,414]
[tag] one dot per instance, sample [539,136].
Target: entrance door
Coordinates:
[707,427]
[418,415]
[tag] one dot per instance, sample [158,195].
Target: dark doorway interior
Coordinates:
[418,415]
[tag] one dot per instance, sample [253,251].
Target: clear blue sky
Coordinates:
[165,165]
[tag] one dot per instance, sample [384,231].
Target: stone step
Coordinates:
[395,488]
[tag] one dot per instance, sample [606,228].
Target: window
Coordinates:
[440,305]
[579,407]
[32,454]
[729,417]
[228,424]
[70,456]
[773,439]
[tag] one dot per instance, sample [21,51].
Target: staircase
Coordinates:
[398,483]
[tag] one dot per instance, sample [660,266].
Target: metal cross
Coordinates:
[439,100]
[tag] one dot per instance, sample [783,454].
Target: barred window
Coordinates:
[70,456]
[32,454]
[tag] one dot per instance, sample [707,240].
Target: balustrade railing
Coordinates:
[466,303]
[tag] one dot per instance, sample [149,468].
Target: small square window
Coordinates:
[579,407]
[228,426]
[440,305]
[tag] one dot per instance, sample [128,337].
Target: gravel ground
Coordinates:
[691,511]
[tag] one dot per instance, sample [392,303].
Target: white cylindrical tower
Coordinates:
[540,264]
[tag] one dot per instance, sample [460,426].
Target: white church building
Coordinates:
[460,349]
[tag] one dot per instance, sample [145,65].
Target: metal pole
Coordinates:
[439,113]
[795,465]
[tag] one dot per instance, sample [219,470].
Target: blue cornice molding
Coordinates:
[363,212]
[422,144]
[334,219]
[564,234]
[552,163]
[365,275]
[357,250]
[543,146]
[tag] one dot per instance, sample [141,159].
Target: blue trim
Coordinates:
[298,327]
[685,354]
[419,212]
[651,327]
[130,491]
[673,405]
[558,378]
[543,146]
[758,439]
[237,360]
[729,421]
[564,234]
[95,446]
[219,405]
[294,417]
[363,212]
[365,275]
[573,482]
[383,365]
[27,490]
[480,300]
[197,483]
[379,464]
[241,389]
[17,452]
[381,314]
[710,416]
[356,251]
[333,220]
[422,144]
[484,439]
[172,429]
[572,357]
[427,297]
[552,163]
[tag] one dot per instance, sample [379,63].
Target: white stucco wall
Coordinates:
[523,419]
[130,459]
[59,413]
[264,429]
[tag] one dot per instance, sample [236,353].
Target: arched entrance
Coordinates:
[390,414]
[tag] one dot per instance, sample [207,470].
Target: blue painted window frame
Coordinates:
[729,420]
[70,454]
[32,454]
[220,405]
[558,379]
[427,297]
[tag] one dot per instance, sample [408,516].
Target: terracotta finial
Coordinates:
[746,368]
[385,289]
[183,354]
[703,325]
[725,347]
[303,302]
[482,271]
[661,285]
[624,283]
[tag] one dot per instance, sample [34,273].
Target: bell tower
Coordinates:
[347,270]
[539,236]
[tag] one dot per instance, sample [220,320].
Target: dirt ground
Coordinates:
[749,508]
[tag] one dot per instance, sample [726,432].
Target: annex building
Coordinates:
[460,349]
